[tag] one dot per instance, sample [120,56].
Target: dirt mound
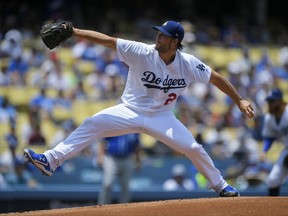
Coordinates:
[252,206]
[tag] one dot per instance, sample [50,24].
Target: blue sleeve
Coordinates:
[267,142]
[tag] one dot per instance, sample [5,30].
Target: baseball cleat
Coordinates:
[229,191]
[39,160]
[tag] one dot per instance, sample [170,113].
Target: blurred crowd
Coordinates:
[26,63]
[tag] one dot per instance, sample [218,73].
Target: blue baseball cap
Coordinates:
[172,29]
[274,94]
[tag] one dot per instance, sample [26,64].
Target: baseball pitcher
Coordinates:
[158,74]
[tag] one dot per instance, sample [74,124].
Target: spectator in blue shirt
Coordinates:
[8,113]
[12,139]
[18,68]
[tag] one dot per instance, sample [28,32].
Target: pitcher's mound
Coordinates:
[238,206]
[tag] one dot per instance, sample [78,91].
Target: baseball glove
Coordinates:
[54,34]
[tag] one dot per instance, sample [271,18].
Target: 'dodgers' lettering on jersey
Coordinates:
[152,81]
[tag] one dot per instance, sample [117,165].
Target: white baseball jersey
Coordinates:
[272,129]
[152,85]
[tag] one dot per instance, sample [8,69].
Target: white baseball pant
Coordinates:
[120,119]
[278,174]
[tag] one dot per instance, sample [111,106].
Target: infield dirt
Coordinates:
[240,206]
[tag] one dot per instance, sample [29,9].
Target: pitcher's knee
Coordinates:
[196,146]
[93,121]
[193,148]
[88,122]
